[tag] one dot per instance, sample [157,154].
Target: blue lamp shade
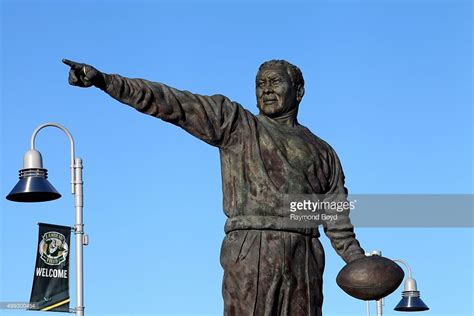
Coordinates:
[411,302]
[33,186]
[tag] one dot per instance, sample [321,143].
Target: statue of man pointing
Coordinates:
[271,266]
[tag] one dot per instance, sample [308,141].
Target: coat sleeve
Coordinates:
[340,231]
[212,119]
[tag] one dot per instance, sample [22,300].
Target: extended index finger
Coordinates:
[74,65]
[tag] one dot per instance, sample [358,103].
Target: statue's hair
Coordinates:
[295,73]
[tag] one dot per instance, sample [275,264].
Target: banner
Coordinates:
[50,290]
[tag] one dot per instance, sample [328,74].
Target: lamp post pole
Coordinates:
[379,303]
[77,191]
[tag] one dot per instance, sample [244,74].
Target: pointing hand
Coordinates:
[83,75]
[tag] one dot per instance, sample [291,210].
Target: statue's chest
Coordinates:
[287,152]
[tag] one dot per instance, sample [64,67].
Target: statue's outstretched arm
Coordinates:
[213,119]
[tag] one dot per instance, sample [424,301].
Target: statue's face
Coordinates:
[275,92]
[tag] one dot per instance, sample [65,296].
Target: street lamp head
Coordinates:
[411,301]
[33,185]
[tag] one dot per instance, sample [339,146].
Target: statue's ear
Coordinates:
[299,93]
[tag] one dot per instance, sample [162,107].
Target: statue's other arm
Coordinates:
[341,231]
[209,118]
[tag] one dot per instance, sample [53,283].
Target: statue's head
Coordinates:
[279,88]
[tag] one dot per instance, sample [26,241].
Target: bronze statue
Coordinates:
[270,266]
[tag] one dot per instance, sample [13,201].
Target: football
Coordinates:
[370,278]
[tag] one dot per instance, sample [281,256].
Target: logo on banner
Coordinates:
[53,248]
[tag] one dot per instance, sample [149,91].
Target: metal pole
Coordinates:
[379,307]
[77,190]
[378,303]
[71,141]
[79,231]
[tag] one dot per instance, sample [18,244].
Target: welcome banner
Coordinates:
[50,290]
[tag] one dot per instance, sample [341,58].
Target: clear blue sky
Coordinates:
[388,85]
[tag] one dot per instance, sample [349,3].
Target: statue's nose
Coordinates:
[267,88]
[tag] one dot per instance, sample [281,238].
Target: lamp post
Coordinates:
[33,186]
[410,302]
